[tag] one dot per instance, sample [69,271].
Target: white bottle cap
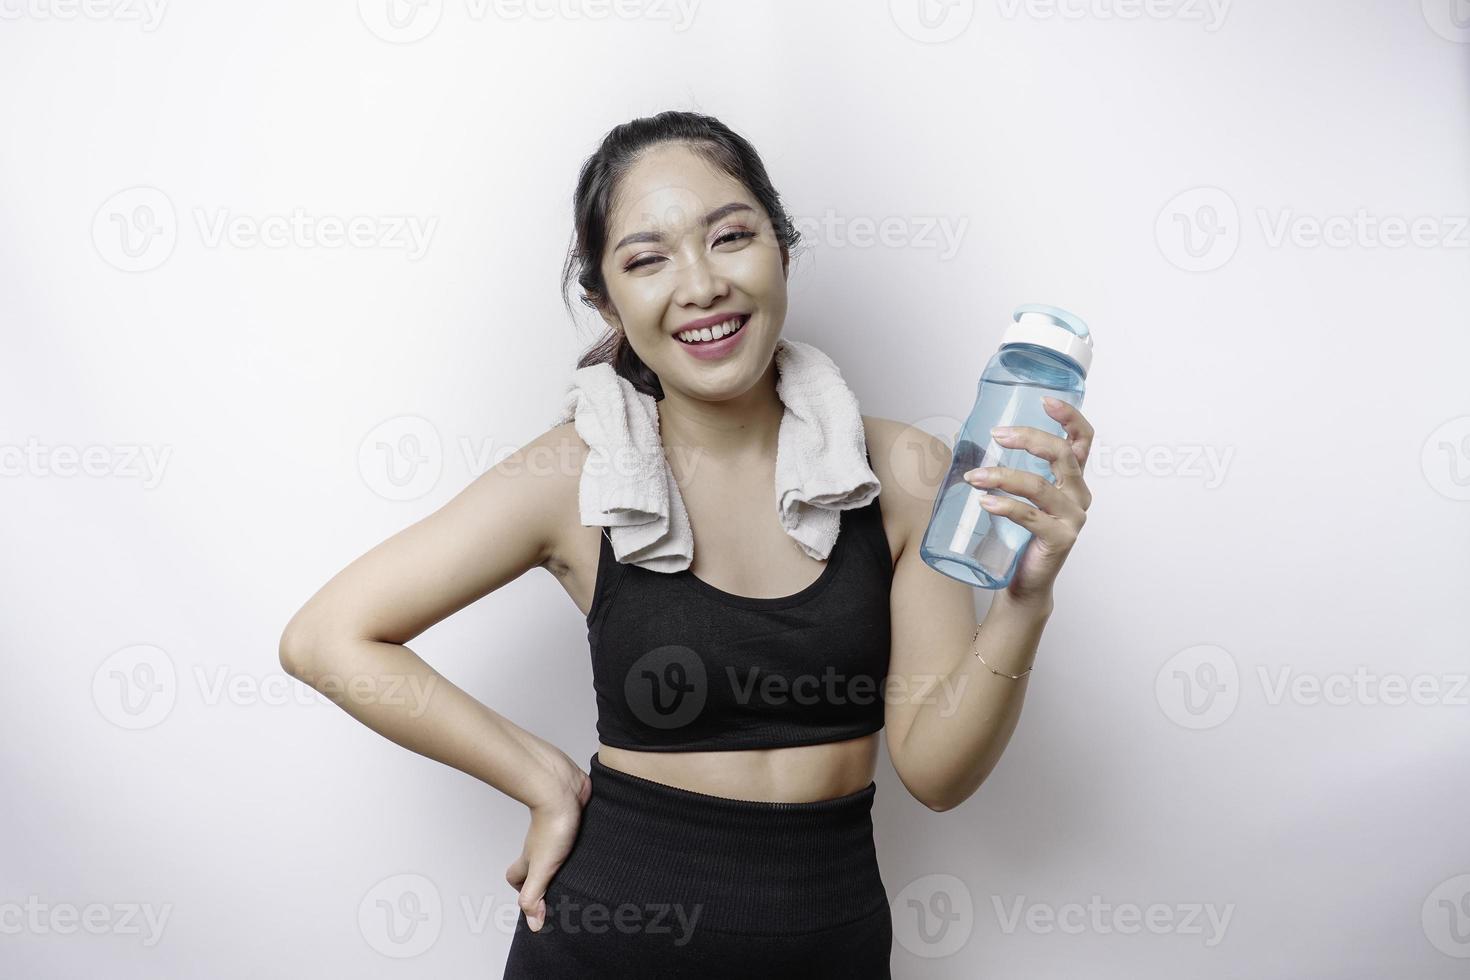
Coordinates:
[1052,328]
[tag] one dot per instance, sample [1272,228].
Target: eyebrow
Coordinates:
[709,219]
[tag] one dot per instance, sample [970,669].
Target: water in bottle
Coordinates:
[1045,351]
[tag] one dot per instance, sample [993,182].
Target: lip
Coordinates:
[715,349]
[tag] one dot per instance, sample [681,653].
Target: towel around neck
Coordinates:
[627,486]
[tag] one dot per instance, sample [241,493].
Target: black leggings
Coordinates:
[664,882]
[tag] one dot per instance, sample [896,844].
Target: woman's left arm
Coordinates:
[948,714]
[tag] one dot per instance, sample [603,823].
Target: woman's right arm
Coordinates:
[348,641]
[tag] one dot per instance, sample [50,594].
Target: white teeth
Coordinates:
[711,333]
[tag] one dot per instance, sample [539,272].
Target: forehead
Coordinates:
[670,187]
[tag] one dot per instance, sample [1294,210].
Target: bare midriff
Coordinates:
[790,774]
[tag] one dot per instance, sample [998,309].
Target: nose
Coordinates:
[700,283]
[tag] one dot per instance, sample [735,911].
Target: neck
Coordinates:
[740,431]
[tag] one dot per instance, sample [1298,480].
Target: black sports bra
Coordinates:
[679,665]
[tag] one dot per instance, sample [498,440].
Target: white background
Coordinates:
[1135,164]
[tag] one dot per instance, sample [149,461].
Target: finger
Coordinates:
[1055,450]
[534,908]
[1032,486]
[1052,532]
[1078,428]
[515,875]
[533,894]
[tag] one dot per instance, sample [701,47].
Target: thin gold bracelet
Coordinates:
[1014,677]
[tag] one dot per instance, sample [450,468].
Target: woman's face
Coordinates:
[665,269]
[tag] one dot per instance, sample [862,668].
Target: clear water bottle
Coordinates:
[1045,351]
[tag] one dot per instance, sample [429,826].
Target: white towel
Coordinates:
[627,486]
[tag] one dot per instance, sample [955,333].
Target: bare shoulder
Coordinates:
[551,465]
[910,464]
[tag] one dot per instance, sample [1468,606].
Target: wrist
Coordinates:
[1037,608]
[555,781]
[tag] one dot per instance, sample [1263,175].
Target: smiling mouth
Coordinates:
[739,325]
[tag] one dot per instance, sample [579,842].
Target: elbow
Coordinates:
[314,652]
[942,794]
[952,795]
[939,804]
[923,783]
[936,798]
[296,649]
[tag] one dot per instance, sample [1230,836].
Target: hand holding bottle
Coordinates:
[1054,512]
[979,532]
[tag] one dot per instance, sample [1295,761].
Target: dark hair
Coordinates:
[592,203]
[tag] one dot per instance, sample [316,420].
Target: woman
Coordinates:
[718,849]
